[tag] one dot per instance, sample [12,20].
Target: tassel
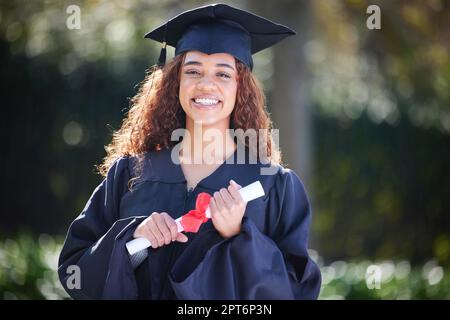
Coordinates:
[162,55]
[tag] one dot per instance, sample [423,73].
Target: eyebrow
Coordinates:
[197,63]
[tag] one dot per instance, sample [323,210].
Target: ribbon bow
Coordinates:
[192,220]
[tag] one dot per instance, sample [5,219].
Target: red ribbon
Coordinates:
[192,220]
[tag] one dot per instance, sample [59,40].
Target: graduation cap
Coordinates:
[219,28]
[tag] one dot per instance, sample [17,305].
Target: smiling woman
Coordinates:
[255,250]
[208,88]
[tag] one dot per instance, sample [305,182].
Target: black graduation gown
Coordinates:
[267,260]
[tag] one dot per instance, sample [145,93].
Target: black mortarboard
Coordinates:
[219,28]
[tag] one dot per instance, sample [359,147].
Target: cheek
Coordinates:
[231,97]
[184,92]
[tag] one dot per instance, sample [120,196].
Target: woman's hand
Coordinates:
[160,229]
[227,209]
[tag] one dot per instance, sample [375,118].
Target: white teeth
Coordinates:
[207,102]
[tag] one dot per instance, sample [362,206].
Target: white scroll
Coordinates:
[248,193]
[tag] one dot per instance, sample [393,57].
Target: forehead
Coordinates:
[215,58]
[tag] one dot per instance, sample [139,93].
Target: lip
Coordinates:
[203,107]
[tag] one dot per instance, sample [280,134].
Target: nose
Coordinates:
[206,83]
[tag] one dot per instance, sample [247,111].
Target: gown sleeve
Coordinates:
[95,243]
[253,265]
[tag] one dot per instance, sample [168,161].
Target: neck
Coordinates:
[206,144]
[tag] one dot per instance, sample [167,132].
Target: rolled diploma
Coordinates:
[248,193]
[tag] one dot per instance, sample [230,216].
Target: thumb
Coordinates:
[182,237]
[237,186]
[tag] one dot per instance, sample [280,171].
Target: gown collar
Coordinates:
[158,166]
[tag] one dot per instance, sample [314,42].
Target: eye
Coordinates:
[192,72]
[224,75]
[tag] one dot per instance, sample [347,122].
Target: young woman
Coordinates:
[254,250]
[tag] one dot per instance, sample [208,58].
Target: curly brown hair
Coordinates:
[156,112]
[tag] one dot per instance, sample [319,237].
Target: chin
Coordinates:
[206,121]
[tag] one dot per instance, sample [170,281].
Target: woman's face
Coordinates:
[208,87]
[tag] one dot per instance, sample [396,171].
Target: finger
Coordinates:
[142,231]
[235,193]
[219,201]
[228,200]
[163,228]
[181,237]
[157,238]
[213,208]
[151,225]
[171,224]
[149,235]
[237,186]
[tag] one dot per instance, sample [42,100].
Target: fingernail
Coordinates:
[235,183]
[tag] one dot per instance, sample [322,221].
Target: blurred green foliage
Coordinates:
[399,280]
[28,270]
[381,192]
[28,267]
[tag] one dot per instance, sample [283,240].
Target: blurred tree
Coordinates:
[381,100]
[288,96]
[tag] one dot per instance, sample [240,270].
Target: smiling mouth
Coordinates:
[205,103]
